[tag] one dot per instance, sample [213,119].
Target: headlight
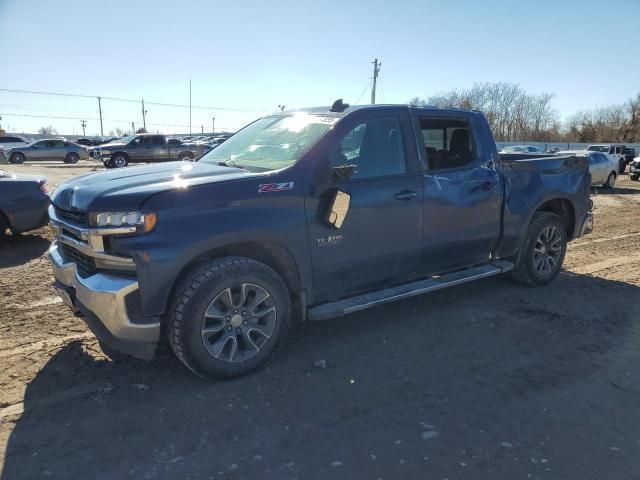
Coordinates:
[144,222]
[105,152]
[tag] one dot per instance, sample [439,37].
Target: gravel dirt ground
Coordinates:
[486,380]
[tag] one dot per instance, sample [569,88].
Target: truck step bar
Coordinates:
[372,299]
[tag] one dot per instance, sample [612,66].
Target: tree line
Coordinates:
[516,115]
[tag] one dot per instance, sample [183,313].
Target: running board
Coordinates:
[368,300]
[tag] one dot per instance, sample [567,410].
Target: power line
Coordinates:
[97,119]
[364,90]
[128,100]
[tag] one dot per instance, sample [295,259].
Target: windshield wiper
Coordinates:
[231,164]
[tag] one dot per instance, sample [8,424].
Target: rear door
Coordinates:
[462,189]
[160,150]
[58,150]
[380,240]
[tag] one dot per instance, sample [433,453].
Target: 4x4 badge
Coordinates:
[275,187]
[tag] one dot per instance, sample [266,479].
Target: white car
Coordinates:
[603,170]
[519,149]
[634,170]
[614,151]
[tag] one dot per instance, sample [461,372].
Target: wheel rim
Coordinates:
[73,158]
[120,162]
[18,158]
[547,251]
[612,181]
[238,322]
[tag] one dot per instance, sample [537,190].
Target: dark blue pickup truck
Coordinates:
[307,214]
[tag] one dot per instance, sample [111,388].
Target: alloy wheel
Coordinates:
[238,322]
[548,250]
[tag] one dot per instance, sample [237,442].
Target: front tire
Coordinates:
[72,158]
[17,158]
[611,181]
[543,250]
[634,177]
[228,316]
[119,160]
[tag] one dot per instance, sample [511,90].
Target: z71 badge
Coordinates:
[275,187]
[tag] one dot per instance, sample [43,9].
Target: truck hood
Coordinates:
[112,145]
[127,188]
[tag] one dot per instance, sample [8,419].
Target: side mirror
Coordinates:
[342,173]
[338,208]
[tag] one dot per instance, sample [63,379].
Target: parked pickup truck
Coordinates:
[144,147]
[308,214]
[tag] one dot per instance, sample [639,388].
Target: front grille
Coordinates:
[86,265]
[74,216]
[97,153]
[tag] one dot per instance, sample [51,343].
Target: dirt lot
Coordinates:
[486,380]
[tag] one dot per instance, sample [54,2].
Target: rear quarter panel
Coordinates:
[23,204]
[531,183]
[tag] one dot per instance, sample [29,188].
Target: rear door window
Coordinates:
[448,142]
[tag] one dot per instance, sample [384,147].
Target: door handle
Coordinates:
[405,195]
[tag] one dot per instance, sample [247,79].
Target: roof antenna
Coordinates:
[339,106]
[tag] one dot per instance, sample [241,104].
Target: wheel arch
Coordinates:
[562,207]
[272,254]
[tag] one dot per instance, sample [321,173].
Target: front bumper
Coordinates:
[102,299]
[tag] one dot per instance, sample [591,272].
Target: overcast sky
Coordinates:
[252,56]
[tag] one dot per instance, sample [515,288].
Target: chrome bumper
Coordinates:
[103,295]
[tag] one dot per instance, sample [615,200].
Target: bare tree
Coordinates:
[47,130]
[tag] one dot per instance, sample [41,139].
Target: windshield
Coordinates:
[598,148]
[271,143]
[124,139]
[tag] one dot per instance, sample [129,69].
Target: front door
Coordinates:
[463,193]
[380,239]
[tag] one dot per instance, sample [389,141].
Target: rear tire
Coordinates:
[543,250]
[634,177]
[17,158]
[228,316]
[119,160]
[611,181]
[72,158]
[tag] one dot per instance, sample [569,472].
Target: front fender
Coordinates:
[185,234]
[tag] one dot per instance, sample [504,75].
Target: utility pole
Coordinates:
[84,124]
[213,125]
[201,129]
[144,119]
[376,71]
[189,106]
[100,110]
[133,128]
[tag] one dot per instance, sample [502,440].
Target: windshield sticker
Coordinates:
[275,187]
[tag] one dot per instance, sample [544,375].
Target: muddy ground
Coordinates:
[486,380]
